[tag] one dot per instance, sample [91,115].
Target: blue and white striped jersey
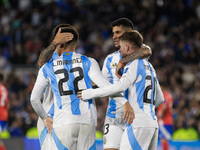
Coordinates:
[48,94]
[114,109]
[68,74]
[144,91]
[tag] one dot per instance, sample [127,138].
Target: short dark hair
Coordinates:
[67,28]
[133,37]
[125,22]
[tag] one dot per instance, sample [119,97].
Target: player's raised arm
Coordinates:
[143,52]
[47,53]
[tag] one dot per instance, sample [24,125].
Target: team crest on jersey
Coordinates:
[114,65]
[67,54]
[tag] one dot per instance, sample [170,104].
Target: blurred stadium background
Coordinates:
[170,27]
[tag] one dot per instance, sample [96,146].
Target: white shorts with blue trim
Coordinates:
[113,127]
[112,136]
[142,138]
[45,138]
[74,137]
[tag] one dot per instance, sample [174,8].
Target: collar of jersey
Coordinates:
[67,54]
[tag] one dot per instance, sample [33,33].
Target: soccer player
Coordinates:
[145,94]
[4,105]
[114,125]
[165,119]
[60,38]
[74,120]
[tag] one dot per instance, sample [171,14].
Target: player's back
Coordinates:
[142,92]
[68,74]
[3,103]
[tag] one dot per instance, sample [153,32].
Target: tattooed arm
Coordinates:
[143,52]
[47,53]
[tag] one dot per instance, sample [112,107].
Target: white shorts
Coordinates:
[112,136]
[46,139]
[74,137]
[143,138]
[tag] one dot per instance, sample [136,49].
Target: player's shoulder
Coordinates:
[88,60]
[133,62]
[114,54]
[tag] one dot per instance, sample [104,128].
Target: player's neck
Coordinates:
[67,50]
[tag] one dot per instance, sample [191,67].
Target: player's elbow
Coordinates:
[40,64]
[148,52]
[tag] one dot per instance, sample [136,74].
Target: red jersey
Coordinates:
[3,103]
[167,114]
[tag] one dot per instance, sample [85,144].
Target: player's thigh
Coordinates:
[40,126]
[137,138]
[48,142]
[86,137]
[112,136]
[154,142]
[45,138]
[68,134]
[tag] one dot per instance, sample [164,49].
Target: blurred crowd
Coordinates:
[171,28]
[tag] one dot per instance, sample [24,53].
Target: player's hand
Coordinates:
[48,122]
[64,37]
[79,95]
[128,113]
[118,69]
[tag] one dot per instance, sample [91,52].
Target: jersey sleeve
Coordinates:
[159,99]
[112,89]
[105,70]
[97,77]
[37,93]
[147,46]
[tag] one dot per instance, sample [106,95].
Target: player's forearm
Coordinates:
[39,109]
[143,52]
[102,92]
[36,95]
[159,96]
[111,90]
[46,54]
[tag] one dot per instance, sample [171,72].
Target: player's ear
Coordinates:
[127,47]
